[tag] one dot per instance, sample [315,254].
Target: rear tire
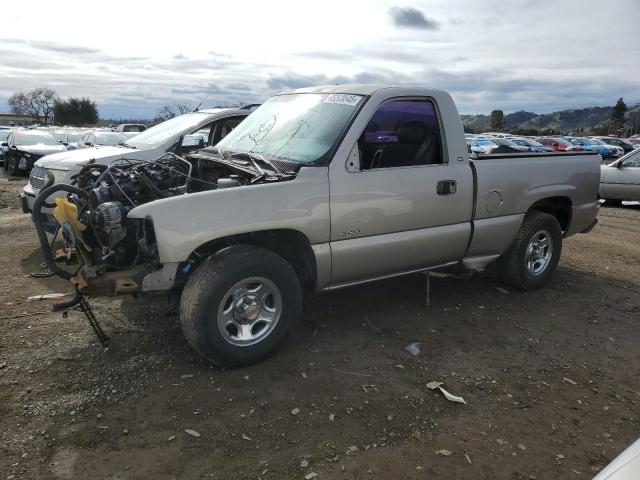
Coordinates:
[238,306]
[534,255]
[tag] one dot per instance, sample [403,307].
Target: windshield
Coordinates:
[300,127]
[597,142]
[166,130]
[509,143]
[108,138]
[4,135]
[487,143]
[584,141]
[33,139]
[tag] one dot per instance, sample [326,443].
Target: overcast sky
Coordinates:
[537,55]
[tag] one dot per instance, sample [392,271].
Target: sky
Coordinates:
[134,57]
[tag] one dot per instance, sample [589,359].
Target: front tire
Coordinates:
[238,306]
[534,255]
[13,166]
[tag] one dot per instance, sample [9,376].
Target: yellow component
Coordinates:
[65,210]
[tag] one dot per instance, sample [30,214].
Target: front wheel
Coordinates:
[13,165]
[534,255]
[239,305]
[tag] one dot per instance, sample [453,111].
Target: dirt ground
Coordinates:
[550,378]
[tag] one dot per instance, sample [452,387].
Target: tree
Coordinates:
[617,116]
[45,99]
[185,107]
[76,111]
[497,120]
[165,113]
[38,103]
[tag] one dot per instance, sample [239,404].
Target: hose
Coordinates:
[67,304]
[37,220]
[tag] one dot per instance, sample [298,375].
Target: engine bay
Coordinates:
[93,218]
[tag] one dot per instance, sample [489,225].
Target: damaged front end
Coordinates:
[106,253]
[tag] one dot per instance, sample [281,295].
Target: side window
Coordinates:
[401,133]
[632,162]
[224,127]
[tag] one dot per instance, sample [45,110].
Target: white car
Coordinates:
[101,138]
[130,128]
[174,135]
[620,180]
[625,466]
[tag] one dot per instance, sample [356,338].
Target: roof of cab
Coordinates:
[357,89]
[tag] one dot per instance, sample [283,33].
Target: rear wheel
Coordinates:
[534,255]
[238,306]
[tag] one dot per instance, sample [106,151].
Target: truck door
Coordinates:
[399,202]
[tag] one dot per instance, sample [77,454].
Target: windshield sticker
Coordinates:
[343,99]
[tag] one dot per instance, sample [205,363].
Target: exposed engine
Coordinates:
[93,218]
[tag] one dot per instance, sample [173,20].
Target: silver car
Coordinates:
[620,180]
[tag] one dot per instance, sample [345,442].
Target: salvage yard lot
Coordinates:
[549,377]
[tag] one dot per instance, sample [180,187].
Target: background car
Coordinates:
[531,145]
[621,180]
[617,151]
[626,145]
[130,128]
[591,146]
[69,138]
[509,146]
[27,146]
[92,139]
[481,146]
[558,144]
[4,135]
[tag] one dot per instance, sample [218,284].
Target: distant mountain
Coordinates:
[561,121]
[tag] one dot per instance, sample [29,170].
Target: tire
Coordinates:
[527,269]
[13,165]
[229,279]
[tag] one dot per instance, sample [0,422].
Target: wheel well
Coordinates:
[291,245]
[559,207]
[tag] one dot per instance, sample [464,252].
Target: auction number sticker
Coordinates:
[343,99]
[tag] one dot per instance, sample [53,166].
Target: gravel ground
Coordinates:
[549,378]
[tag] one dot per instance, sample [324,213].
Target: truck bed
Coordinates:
[507,185]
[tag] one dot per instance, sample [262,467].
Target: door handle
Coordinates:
[447,187]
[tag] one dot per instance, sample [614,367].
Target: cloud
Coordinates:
[409,17]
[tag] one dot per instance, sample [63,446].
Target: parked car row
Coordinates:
[491,143]
[20,148]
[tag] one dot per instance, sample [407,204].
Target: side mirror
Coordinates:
[65,143]
[4,144]
[88,144]
[192,141]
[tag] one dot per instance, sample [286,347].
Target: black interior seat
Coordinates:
[413,141]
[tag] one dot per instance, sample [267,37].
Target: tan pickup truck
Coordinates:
[319,189]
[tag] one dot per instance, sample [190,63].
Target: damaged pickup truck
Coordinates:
[318,189]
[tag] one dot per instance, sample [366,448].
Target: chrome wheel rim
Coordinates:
[249,311]
[539,252]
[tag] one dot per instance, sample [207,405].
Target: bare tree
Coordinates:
[185,107]
[45,99]
[38,103]
[166,112]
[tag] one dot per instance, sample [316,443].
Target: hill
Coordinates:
[584,119]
